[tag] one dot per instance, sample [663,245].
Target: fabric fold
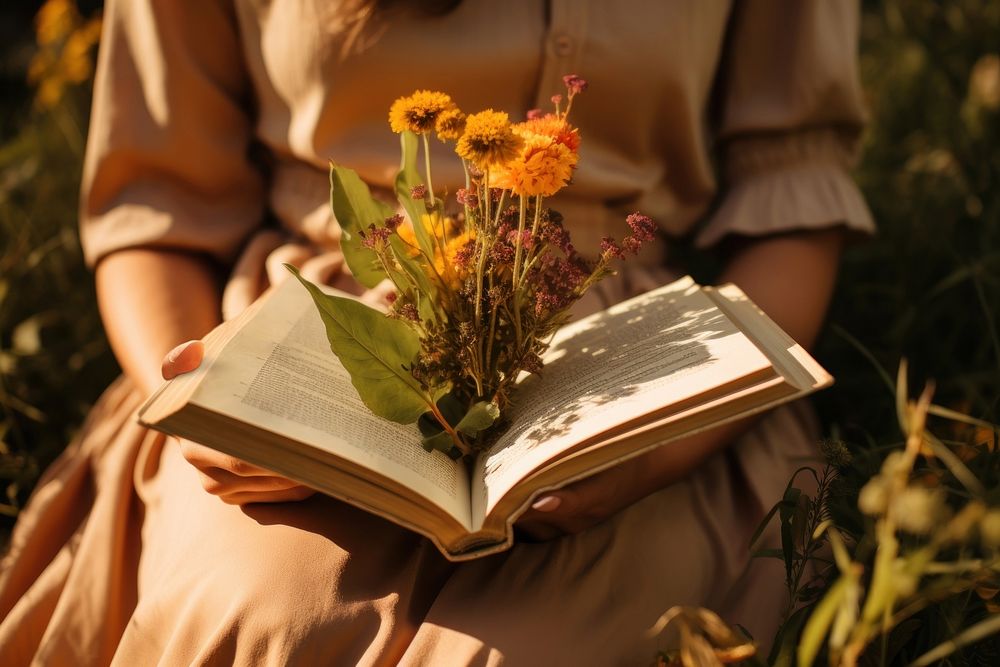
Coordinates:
[782,183]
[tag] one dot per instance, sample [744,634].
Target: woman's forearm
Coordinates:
[151,300]
[791,277]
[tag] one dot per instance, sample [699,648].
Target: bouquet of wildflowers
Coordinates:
[481,281]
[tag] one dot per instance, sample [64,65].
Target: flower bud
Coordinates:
[874,497]
[919,510]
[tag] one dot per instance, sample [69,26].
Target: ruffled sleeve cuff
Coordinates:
[789,182]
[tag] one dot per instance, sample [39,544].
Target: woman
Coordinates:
[213,123]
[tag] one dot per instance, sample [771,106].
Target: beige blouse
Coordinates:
[212,116]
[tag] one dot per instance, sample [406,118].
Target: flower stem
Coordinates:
[515,281]
[534,235]
[456,438]
[427,170]
[465,170]
[483,245]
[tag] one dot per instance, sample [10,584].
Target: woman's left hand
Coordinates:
[579,506]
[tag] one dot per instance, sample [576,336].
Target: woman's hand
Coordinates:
[234,481]
[579,506]
[588,502]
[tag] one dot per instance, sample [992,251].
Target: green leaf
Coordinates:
[376,350]
[479,418]
[356,209]
[787,511]
[407,179]
[820,620]
[785,642]
[418,276]
[767,518]
[442,442]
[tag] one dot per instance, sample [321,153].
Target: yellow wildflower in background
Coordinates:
[77,63]
[489,139]
[64,55]
[55,20]
[418,112]
[542,167]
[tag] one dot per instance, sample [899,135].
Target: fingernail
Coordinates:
[547,504]
[174,353]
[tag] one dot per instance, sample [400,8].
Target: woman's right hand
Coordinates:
[234,481]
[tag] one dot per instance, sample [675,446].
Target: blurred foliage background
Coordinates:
[54,360]
[927,288]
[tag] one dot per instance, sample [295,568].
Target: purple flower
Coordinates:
[557,236]
[467,198]
[375,237]
[642,226]
[527,241]
[464,255]
[575,84]
[502,254]
[611,248]
[631,245]
[409,311]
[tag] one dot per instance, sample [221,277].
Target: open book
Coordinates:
[666,364]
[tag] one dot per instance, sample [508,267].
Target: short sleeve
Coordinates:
[790,114]
[167,155]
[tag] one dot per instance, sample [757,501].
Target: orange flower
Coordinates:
[543,166]
[551,125]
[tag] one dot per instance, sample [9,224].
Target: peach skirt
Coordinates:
[121,558]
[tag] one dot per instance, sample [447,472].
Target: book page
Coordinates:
[659,349]
[279,374]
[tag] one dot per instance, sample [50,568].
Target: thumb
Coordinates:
[183,358]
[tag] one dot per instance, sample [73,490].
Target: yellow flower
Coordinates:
[450,266]
[54,21]
[450,124]
[418,112]
[448,262]
[64,56]
[50,91]
[76,60]
[489,139]
[543,166]
[435,226]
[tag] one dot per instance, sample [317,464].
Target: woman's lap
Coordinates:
[319,581]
